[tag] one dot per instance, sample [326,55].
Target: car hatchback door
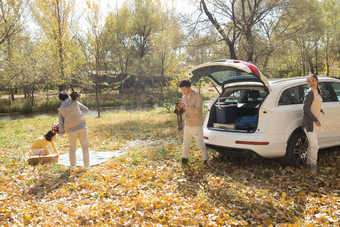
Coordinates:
[223,72]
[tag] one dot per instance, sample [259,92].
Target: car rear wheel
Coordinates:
[296,151]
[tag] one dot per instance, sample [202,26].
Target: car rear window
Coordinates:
[244,96]
[290,96]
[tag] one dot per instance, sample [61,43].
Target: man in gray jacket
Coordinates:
[73,123]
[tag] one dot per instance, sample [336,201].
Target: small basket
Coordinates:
[42,159]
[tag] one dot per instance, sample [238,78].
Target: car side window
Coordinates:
[290,96]
[336,88]
[325,92]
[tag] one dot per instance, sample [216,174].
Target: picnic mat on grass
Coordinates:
[96,157]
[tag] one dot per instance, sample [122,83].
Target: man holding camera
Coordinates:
[192,106]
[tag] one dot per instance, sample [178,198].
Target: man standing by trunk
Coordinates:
[192,106]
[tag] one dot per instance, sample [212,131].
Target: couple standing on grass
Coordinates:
[73,123]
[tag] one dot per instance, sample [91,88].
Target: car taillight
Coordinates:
[205,137]
[251,143]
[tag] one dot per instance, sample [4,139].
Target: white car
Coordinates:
[256,116]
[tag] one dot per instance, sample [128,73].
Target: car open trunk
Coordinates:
[237,109]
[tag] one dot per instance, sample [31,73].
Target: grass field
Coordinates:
[148,186]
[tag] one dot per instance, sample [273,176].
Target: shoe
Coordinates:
[71,170]
[184,161]
[84,169]
[314,170]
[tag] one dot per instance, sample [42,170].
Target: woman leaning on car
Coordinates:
[310,122]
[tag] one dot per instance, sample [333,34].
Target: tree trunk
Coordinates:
[311,66]
[32,95]
[250,45]
[162,76]
[230,43]
[97,97]
[11,90]
[61,50]
[316,58]
[327,55]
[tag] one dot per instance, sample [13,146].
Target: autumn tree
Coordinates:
[11,18]
[11,25]
[228,30]
[118,44]
[238,22]
[54,17]
[165,44]
[145,21]
[28,58]
[299,51]
[94,47]
[331,36]
[202,48]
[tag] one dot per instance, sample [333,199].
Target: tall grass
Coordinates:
[21,105]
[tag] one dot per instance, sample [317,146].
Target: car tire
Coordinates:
[296,151]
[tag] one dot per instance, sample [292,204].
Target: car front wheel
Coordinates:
[296,151]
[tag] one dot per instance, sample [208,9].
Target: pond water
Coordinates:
[92,112]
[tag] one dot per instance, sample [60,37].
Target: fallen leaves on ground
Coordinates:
[148,186]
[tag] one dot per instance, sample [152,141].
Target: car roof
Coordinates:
[282,82]
[279,83]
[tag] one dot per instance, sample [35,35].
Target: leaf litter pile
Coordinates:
[148,186]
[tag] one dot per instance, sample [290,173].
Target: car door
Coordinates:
[333,107]
[329,132]
[224,72]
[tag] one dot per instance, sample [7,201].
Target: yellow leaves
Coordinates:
[85,185]
[27,219]
[137,190]
[302,197]
[219,221]
[129,137]
[268,222]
